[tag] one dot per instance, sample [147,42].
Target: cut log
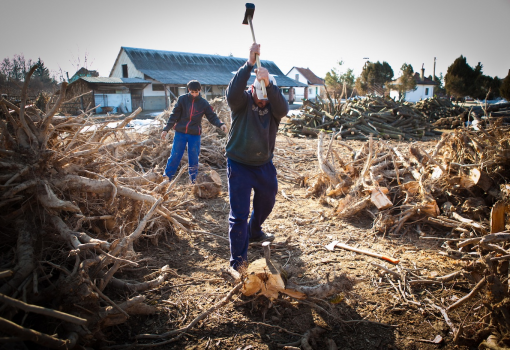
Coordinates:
[481,179]
[380,200]
[207,185]
[498,217]
[260,278]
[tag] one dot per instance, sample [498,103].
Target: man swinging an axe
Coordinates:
[255,116]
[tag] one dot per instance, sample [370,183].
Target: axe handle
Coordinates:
[366,252]
[262,84]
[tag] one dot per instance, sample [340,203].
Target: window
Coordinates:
[124,71]
[426,91]
[297,77]
[158,87]
[310,90]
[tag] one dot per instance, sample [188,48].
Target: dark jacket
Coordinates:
[186,117]
[252,136]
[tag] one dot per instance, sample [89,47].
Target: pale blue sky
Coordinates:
[312,34]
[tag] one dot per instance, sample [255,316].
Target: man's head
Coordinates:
[258,95]
[194,87]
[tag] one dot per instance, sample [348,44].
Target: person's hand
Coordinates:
[224,128]
[254,50]
[263,75]
[163,135]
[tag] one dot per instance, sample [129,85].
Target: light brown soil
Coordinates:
[197,259]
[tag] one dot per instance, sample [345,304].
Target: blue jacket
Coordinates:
[252,136]
[186,117]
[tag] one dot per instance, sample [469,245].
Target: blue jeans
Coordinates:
[178,147]
[241,180]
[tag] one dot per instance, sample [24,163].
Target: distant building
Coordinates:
[83,72]
[116,95]
[168,72]
[314,84]
[424,88]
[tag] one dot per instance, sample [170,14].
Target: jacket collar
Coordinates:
[190,96]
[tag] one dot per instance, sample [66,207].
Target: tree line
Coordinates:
[12,77]
[461,80]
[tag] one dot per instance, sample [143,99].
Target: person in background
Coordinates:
[251,141]
[186,121]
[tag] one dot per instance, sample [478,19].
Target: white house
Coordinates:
[306,76]
[424,88]
[168,72]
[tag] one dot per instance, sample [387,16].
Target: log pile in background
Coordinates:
[476,115]
[437,108]
[357,119]
[76,197]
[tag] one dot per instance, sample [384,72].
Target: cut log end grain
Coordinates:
[208,185]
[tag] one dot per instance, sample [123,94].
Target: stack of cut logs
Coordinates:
[459,116]
[437,108]
[357,119]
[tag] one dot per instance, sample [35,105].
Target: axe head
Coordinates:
[332,245]
[250,10]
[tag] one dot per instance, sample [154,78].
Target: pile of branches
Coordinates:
[476,116]
[460,188]
[357,119]
[77,196]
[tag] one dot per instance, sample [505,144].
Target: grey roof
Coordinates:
[105,80]
[171,67]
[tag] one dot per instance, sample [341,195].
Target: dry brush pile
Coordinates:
[77,196]
[457,193]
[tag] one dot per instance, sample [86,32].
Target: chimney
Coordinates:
[434,71]
[422,75]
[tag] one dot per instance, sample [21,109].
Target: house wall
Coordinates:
[114,100]
[416,95]
[313,91]
[155,100]
[132,71]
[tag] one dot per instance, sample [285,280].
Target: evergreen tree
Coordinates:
[41,80]
[487,87]
[504,90]
[374,76]
[460,78]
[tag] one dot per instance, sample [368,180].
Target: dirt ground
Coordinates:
[372,316]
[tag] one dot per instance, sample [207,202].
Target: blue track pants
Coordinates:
[241,180]
[178,147]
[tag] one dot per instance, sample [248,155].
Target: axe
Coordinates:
[332,245]
[248,16]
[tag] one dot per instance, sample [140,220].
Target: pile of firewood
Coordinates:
[475,115]
[76,196]
[357,119]
[460,187]
[437,108]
